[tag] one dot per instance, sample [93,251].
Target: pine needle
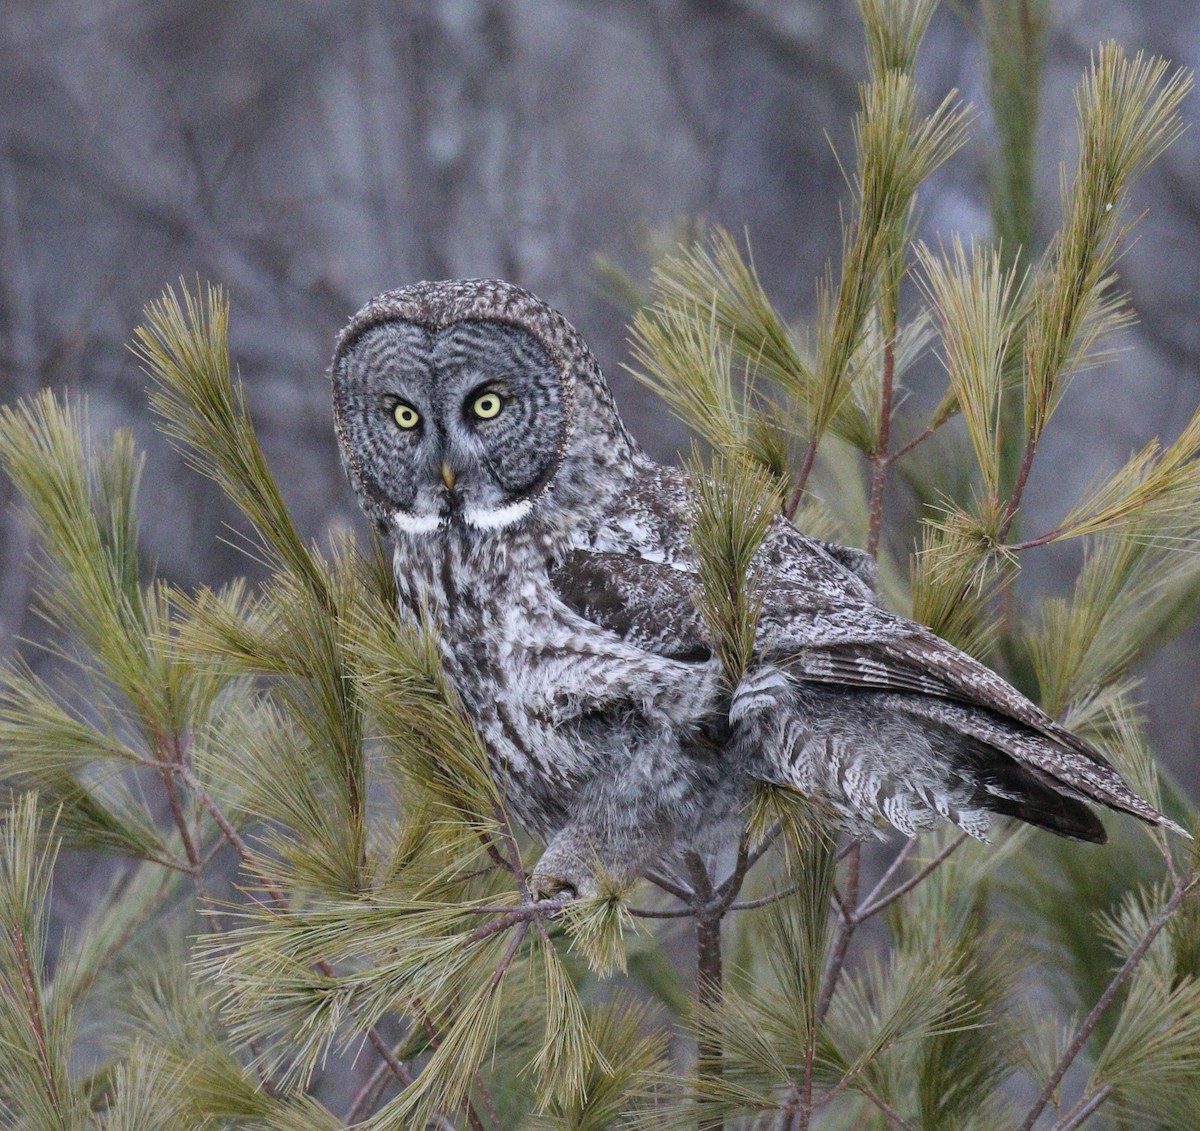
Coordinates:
[735,505]
[973,302]
[184,349]
[36,1026]
[1128,114]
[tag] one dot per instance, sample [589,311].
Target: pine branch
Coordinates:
[1128,114]
[435,1041]
[372,1089]
[183,347]
[1180,893]
[37,1022]
[249,860]
[843,933]
[1084,1110]
[881,460]
[542,909]
[800,483]
[876,902]
[709,975]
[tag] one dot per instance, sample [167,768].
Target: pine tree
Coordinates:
[377,960]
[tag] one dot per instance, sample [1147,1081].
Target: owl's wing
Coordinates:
[866,648]
[649,605]
[869,648]
[652,606]
[1038,763]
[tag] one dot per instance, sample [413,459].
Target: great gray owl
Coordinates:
[557,559]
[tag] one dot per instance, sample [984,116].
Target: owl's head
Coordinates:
[472,402]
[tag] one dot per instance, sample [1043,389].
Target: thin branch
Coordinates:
[894,867]
[493,852]
[230,832]
[880,462]
[709,992]
[498,975]
[371,1091]
[214,850]
[1160,840]
[169,863]
[1106,999]
[839,905]
[181,822]
[917,440]
[810,455]
[506,908]
[131,927]
[223,823]
[723,896]
[509,956]
[797,1111]
[435,1039]
[33,1003]
[765,900]
[369,1095]
[493,983]
[1041,540]
[1014,500]
[542,909]
[727,891]
[243,850]
[753,856]
[666,913]
[673,885]
[845,850]
[842,936]
[893,1115]
[1083,1110]
[847,1081]
[514,854]
[177,764]
[868,909]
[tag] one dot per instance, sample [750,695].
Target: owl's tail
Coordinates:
[913,760]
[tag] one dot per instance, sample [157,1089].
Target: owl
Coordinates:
[557,562]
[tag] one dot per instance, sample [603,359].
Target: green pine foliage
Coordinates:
[377,960]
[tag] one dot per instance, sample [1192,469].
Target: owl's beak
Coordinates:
[448,476]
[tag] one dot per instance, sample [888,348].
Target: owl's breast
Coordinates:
[556,697]
[505,648]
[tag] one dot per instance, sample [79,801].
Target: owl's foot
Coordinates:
[560,876]
[571,867]
[547,884]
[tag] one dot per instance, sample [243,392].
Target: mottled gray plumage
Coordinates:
[558,561]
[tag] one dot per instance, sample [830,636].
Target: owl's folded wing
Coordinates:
[867,648]
[649,605]
[849,645]
[653,606]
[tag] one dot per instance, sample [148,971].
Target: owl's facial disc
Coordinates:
[462,424]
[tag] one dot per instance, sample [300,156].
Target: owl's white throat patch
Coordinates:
[416,523]
[497,518]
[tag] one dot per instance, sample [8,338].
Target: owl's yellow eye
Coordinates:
[487,405]
[406,416]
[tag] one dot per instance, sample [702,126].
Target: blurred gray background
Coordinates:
[309,154]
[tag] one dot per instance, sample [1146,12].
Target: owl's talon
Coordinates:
[546,888]
[563,874]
